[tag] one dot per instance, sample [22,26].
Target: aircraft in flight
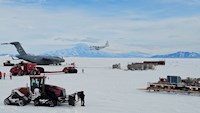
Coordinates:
[40,60]
[99,47]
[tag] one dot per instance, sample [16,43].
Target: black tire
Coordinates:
[52,103]
[55,102]
[21,103]
[38,72]
[75,70]
[31,72]
[20,73]
[34,72]
[29,99]
[40,69]
[36,102]
[14,74]
[7,101]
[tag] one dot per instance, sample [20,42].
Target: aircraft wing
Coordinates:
[4,43]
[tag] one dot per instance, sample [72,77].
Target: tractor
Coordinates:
[40,93]
[44,94]
[26,69]
[31,69]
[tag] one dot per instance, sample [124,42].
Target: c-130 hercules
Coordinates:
[40,60]
[99,47]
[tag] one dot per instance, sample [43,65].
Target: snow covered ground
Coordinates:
[110,90]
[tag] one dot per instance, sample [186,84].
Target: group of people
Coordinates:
[81,97]
[3,75]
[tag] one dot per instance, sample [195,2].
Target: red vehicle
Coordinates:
[31,69]
[26,69]
[70,69]
[40,93]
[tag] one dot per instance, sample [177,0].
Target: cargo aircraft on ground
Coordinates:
[40,60]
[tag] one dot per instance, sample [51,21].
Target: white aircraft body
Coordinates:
[99,47]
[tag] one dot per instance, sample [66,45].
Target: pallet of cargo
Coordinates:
[174,84]
[155,62]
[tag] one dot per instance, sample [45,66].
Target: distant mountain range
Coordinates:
[83,50]
[179,54]
[4,54]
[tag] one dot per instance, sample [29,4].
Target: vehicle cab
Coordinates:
[37,82]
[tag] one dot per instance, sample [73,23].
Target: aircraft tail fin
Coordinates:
[107,44]
[19,48]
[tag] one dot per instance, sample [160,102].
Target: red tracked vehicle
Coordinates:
[26,69]
[31,69]
[40,93]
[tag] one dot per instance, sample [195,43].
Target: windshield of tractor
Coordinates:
[36,82]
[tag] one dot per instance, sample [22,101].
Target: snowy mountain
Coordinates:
[5,54]
[83,50]
[179,54]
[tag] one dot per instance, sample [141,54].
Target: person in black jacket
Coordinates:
[81,95]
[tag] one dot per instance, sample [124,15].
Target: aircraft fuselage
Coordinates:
[41,60]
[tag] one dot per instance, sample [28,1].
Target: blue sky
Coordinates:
[151,26]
